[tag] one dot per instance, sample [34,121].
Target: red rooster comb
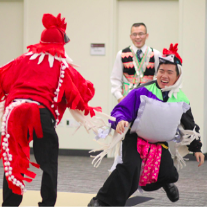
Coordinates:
[50,21]
[53,37]
[172,50]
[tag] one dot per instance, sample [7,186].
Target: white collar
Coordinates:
[143,48]
[51,58]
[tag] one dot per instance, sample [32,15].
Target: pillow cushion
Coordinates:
[158,121]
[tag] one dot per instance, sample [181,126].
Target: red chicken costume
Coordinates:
[42,78]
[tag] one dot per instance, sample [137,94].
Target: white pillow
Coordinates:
[158,121]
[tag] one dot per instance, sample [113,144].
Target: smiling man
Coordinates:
[154,112]
[135,64]
[167,75]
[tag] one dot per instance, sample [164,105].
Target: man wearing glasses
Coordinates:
[135,64]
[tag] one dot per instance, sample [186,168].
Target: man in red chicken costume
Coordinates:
[37,87]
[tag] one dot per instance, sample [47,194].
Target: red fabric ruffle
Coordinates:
[23,121]
[53,49]
[77,91]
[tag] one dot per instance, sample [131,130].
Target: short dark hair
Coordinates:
[177,71]
[138,25]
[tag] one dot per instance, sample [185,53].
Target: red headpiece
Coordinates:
[172,51]
[53,37]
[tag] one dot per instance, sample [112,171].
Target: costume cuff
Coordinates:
[195,146]
[118,95]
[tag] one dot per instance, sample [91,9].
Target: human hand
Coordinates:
[120,126]
[200,158]
[120,99]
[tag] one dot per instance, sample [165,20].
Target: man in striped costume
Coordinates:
[135,64]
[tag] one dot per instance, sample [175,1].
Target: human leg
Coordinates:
[123,181]
[10,198]
[167,176]
[46,155]
[167,172]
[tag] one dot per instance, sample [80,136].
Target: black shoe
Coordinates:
[172,192]
[95,202]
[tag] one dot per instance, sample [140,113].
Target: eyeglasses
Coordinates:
[138,34]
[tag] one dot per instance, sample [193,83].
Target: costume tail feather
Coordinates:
[20,120]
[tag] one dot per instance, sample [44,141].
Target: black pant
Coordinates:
[123,181]
[46,155]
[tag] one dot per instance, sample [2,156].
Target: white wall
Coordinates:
[102,21]
[88,22]
[11,35]
[162,23]
[192,40]
[205,85]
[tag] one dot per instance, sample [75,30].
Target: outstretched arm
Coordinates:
[188,122]
[200,158]
[195,146]
[127,109]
